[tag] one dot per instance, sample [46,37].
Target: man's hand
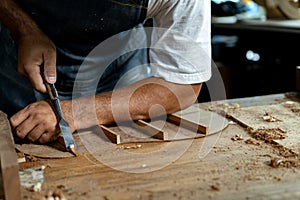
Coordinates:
[37,122]
[33,52]
[34,47]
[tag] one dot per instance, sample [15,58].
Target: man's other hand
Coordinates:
[37,122]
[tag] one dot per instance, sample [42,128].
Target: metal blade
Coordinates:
[64,126]
[66,133]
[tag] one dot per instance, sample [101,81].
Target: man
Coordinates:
[58,36]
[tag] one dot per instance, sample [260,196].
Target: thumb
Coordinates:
[50,69]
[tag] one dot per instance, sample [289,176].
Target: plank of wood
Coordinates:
[176,119]
[152,130]
[231,170]
[111,135]
[9,161]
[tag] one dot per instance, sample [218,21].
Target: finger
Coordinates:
[36,133]
[24,129]
[48,137]
[30,67]
[18,118]
[37,80]
[50,66]
[34,75]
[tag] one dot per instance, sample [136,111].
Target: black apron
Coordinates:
[76,28]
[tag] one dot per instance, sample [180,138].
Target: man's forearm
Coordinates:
[16,20]
[146,99]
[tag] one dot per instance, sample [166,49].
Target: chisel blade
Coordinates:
[63,124]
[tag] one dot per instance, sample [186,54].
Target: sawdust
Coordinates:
[268,135]
[57,194]
[252,141]
[223,107]
[283,151]
[287,163]
[287,158]
[295,110]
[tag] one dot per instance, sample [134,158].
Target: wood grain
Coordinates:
[176,119]
[9,161]
[152,131]
[231,170]
[111,135]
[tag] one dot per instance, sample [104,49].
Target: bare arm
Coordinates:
[145,99]
[34,47]
[17,21]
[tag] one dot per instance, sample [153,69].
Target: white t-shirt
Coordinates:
[180,50]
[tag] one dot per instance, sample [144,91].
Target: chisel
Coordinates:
[63,124]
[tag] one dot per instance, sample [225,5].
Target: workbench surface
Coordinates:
[214,167]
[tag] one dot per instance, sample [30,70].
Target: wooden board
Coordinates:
[231,170]
[8,161]
[54,150]
[286,118]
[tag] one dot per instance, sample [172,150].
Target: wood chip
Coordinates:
[237,137]
[215,187]
[252,141]
[269,118]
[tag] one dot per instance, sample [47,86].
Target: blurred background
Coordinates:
[255,46]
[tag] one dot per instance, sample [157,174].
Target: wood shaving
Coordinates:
[252,141]
[269,118]
[225,107]
[215,187]
[131,147]
[237,137]
[30,158]
[295,110]
[57,194]
[287,163]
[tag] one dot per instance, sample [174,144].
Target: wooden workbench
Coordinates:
[215,167]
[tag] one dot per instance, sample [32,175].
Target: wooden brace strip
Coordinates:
[152,130]
[179,121]
[9,161]
[111,135]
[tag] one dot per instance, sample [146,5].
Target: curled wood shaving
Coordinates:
[237,137]
[269,118]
